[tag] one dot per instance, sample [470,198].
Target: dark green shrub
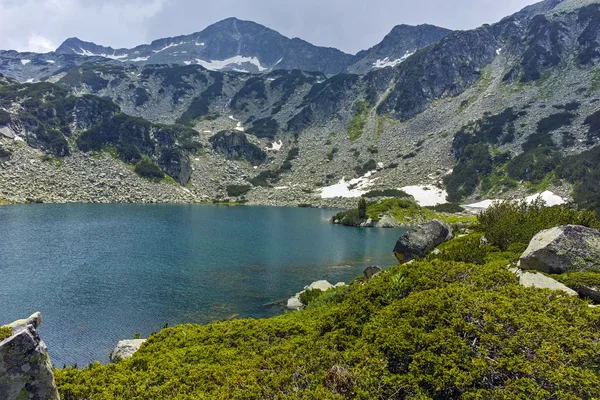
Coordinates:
[264,128]
[555,121]
[362,208]
[141,96]
[508,223]
[147,168]
[361,170]
[308,296]
[450,208]
[238,190]
[387,193]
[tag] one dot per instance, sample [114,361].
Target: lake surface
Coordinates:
[102,273]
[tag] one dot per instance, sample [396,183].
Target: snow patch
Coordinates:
[386,62]
[351,189]
[25,62]
[239,127]
[427,195]
[167,47]
[498,51]
[187,62]
[30,80]
[200,44]
[138,59]
[87,53]
[548,197]
[207,132]
[216,65]
[241,70]
[51,61]
[275,146]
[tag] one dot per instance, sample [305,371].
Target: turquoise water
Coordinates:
[102,273]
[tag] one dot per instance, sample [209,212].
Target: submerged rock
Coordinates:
[421,240]
[25,368]
[570,248]
[294,302]
[125,349]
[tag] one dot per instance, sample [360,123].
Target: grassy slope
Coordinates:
[439,328]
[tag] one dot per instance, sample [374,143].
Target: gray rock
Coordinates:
[569,248]
[421,240]
[371,271]
[589,292]
[387,221]
[528,279]
[25,368]
[125,349]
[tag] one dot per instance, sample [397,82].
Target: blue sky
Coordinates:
[350,25]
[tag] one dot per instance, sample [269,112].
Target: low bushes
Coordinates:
[238,190]
[147,168]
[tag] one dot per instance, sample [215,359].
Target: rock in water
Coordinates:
[25,368]
[125,349]
[570,248]
[421,240]
[371,271]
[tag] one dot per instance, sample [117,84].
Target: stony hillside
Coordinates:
[402,42]
[491,104]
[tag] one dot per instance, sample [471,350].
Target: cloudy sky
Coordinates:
[350,25]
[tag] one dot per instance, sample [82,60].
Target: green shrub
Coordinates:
[362,208]
[450,208]
[147,168]
[5,153]
[264,128]
[238,190]
[359,120]
[361,170]
[507,223]
[5,332]
[387,193]
[308,296]
[141,96]
[555,121]
[435,329]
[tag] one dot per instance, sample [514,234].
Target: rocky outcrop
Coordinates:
[371,271]
[540,281]
[294,302]
[236,146]
[25,368]
[570,248]
[125,349]
[387,221]
[421,240]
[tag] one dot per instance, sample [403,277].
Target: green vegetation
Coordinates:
[238,190]
[362,208]
[510,223]
[387,193]
[455,325]
[266,178]
[5,153]
[141,96]
[332,153]
[579,280]
[361,170]
[309,296]
[147,168]
[264,128]
[359,120]
[254,88]
[84,75]
[5,332]
[199,107]
[404,210]
[450,208]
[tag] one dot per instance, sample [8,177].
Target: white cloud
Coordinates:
[41,25]
[40,44]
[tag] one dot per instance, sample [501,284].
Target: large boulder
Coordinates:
[25,368]
[421,240]
[570,248]
[125,349]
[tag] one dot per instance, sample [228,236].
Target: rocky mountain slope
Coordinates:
[402,42]
[228,45]
[491,104]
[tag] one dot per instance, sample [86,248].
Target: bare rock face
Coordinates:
[570,248]
[25,368]
[421,240]
[125,349]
